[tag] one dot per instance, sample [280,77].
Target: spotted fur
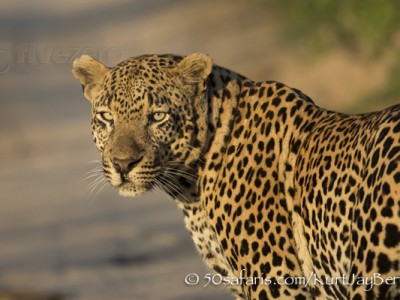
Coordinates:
[270,184]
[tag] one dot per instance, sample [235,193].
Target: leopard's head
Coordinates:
[149,116]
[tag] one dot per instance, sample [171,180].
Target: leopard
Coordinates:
[291,200]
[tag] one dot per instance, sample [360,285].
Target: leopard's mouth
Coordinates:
[125,179]
[124,184]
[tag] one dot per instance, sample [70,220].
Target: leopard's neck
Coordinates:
[221,97]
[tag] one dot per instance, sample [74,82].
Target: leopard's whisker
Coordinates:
[165,189]
[181,173]
[172,186]
[105,183]
[95,183]
[92,175]
[96,161]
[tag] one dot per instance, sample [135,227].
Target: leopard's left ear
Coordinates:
[194,68]
[90,73]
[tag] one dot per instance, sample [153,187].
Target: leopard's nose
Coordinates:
[124,166]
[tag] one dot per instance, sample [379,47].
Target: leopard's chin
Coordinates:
[130,192]
[129,189]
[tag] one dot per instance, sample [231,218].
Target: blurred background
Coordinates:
[59,240]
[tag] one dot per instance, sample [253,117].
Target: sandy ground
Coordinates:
[57,238]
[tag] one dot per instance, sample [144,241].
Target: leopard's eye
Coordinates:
[158,116]
[105,117]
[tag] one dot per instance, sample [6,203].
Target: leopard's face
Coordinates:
[144,121]
[141,133]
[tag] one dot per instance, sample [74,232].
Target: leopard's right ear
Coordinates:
[90,73]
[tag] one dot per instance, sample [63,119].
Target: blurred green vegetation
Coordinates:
[369,25]
[369,28]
